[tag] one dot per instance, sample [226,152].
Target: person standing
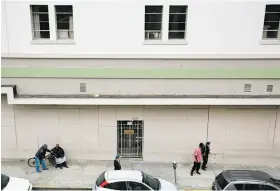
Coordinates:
[60,158]
[197,157]
[39,156]
[117,164]
[206,155]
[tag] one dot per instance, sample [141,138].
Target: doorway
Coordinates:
[130,138]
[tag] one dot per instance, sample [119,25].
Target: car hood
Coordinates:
[17,184]
[165,185]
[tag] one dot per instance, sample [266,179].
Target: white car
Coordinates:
[130,180]
[14,184]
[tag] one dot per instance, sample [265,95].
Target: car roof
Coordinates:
[247,175]
[123,174]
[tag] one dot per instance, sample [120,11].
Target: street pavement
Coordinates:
[83,174]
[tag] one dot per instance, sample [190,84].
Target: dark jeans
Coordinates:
[205,161]
[196,167]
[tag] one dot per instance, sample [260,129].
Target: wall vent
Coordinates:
[247,87]
[83,87]
[269,88]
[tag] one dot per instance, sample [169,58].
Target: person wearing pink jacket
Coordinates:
[197,158]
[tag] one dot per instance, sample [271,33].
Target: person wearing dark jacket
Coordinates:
[39,156]
[117,164]
[60,158]
[206,155]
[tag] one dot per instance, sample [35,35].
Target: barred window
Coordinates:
[271,22]
[64,21]
[153,22]
[177,22]
[40,21]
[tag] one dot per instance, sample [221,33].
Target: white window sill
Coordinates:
[40,42]
[168,42]
[270,42]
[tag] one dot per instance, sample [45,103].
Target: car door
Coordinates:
[116,186]
[131,185]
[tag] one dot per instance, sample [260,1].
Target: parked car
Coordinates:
[14,184]
[130,180]
[245,180]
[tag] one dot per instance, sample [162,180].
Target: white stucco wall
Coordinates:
[238,135]
[117,27]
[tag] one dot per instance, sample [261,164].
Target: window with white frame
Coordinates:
[64,21]
[40,22]
[177,22]
[153,22]
[271,22]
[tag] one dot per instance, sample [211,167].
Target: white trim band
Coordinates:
[138,101]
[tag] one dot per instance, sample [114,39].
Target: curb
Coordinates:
[57,188]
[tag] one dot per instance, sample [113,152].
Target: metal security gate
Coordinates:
[130,138]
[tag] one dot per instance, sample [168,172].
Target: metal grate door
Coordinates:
[130,138]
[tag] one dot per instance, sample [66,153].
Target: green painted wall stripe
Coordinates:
[272,73]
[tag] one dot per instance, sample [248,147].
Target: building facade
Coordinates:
[145,79]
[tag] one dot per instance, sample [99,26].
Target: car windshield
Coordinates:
[4,181]
[151,181]
[221,181]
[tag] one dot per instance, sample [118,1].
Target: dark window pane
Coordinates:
[177,26]
[63,25]
[266,187]
[63,17]
[100,179]
[177,18]
[44,17]
[176,35]
[238,186]
[221,181]
[251,187]
[64,9]
[45,34]
[271,26]
[272,17]
[152,26]
[270,34]
[153,9]
[178,9]
[137,186]
[117,186]
[152,35]
[39,8]
[153,18]
[44,26]
[272,8]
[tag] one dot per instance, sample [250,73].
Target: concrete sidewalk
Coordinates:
[84,174]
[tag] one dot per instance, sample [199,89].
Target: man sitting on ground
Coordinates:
[60,158]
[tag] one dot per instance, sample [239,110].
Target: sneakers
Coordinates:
[198,173]
[46,169]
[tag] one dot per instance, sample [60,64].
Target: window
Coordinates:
[177,22]
[269,88]
[247,87]
[266,187]
[271,22]
[64,21]
[153,22]
[116,186]
[251,187]
[238,186]
[151,181]
[221,181]
[136,186]
[40,22]
[4,181]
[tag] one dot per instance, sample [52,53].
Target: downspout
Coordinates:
[6,22]
[275,125]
